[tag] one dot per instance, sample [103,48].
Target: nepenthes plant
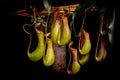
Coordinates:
[55,42]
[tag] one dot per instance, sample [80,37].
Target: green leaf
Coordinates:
[76,11]
[47,5]
[111,28]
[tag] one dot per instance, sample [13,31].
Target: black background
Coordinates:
[18,66]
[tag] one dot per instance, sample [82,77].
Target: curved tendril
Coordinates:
[100,29]
[83,21]
[81,32]
[35,20]
[30,35]
[74,28]
[46,33]
[103,32]
[68,71]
